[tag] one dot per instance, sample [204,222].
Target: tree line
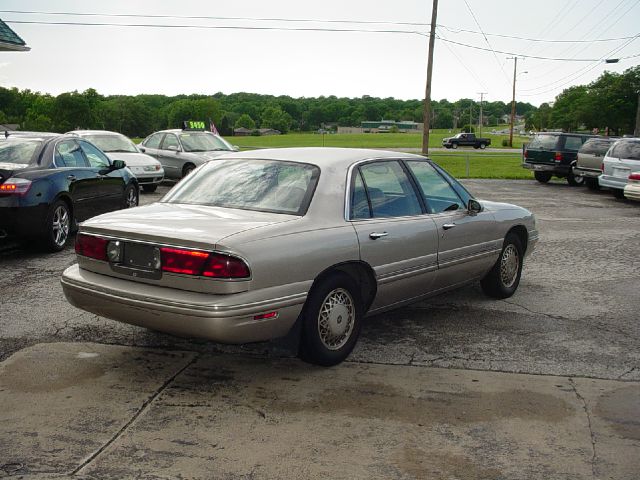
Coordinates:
[610,102]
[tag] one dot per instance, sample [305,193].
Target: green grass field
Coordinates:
[482,165]
[358,140]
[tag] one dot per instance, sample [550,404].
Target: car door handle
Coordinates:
[448,226]
[377,235]
[71,178]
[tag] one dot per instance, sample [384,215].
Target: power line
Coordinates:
[294,29]
[305,20]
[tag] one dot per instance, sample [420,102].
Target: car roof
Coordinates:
[179,130]
[94,132]
[28,134]
[321,156]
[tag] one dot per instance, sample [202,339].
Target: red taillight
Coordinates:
[19,186]
[92,247]
[526,154]
[266,316]
[602,167]
[558,157]
[634,176]
[196,262]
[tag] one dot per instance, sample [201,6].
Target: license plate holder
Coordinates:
[142,256]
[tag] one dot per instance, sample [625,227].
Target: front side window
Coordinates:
[170,140]
[389,190]
[439,195]
[203,142]
[68,154]
[96,158]
[260,185]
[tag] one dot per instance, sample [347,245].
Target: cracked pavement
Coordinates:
[573,322]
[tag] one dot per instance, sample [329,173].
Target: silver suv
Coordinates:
[589,163]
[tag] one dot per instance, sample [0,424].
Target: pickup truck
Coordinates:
[466,140]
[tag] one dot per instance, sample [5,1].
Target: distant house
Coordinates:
[244,132]
[10,41]
[371,126]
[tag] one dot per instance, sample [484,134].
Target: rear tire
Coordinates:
[542,177]
[331,320]
[59,221]
[483,146]
[618,193]
[574,180]
[187,169]
[592,183]
[503,279]
[149,188]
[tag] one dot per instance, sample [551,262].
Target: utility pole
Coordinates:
[427,94]
[637,130]
[513,99]
[482,94]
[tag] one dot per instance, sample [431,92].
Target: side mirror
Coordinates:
[474,207]
[235,148]
[142,149]
[174,148]
[118,164]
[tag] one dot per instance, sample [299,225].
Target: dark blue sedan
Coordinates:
[50,182]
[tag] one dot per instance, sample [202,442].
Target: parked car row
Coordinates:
[586,159]
[49,182]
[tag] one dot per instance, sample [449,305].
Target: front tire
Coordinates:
[131,197]
[454,145]
[187,169]
[483,146]
[542,177]
[331,321]
[503,279]
[59,221]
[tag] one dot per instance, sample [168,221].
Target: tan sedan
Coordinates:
[254,243]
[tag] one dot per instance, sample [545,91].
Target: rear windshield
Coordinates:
[626,150]
[18,151]
[261,185]
[546,142]
[596,146]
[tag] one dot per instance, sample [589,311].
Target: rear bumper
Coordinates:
[221,318]
[547,167]
[586,172]
[22,221]
[610,181]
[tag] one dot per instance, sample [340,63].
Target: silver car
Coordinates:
[622,159]
[255,243]
[181,151]
[147,170]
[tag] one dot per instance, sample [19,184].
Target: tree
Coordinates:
[274,117]
[245,121]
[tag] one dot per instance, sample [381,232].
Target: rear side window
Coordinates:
[153,141]
[596,147]
[389,190]
[573,143]
[544,142]
[626,150]
[68,154]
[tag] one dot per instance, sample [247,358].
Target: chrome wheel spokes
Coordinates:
[336,319]
[60,225]
[132,198]
[509,265]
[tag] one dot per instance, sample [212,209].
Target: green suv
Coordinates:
[552,154]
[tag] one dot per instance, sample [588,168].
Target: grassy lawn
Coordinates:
[358,140]
[482,165]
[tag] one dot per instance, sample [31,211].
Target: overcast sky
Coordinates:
[132,60]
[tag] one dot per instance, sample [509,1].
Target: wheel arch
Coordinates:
[362,274]
[523,235]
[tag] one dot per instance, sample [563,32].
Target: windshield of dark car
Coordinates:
[112,143]
[547,142]
[261,185]
[626,150]
[202,142]
[18,151]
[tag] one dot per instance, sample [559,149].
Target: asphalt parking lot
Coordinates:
[545,384]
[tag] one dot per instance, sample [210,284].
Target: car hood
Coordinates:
[495,206]
[133,159]
[214,154]
[195,226]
